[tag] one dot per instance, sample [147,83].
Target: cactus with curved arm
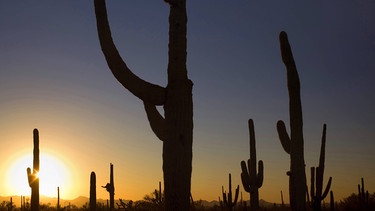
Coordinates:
[252,181]
[317,177]
[32,176]
[227,197]
[293,144]
[110,187]
[175,128]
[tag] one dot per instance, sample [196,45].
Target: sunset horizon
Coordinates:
[56,77]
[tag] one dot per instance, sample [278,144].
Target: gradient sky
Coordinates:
[54,77]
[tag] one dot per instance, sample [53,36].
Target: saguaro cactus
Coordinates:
[331,201]
[317,182]
[159,199]
[293,144]
[110,187]
[92,191]
[362,195]
[58,198]
[252,181]
[175,128]
[227,197]
[32,176]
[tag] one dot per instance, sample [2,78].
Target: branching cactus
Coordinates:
[32,176]
[110,187]
[293,144]
[316,189]
[251,180]
[228,197]
[92,191]
[159,199]
[175,127]
[362,195]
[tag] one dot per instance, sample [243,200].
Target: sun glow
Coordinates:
[53,173]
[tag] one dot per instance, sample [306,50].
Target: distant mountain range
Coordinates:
[82,200]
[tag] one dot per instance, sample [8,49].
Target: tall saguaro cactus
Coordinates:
[92,191]
[175,128]
[317,181]
[228,197]
[293,144]
[110,187]
[252,181]
[32,176]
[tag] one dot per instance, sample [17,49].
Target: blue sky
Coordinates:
[54,77]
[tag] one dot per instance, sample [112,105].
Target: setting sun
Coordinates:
[53,173]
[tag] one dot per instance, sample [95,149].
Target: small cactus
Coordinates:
[32,176]
[331,201]
[317,196]
[362,195]
[252,181]
[110,187]
[58,198]
[227,197]
[159,199]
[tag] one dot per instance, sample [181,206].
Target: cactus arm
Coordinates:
[283,136]
[312,180]
[29,176]
[156,120]
[259,181]
[236,195]
[326,191]
[224,195]
[245,177]
[140,88]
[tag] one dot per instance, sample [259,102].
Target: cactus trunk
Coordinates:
[112,192]
[33,175]
[175,128]
[92,191]
[293,144]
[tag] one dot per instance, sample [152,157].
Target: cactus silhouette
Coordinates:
[362,195]
[293,144]
[175,128]
[252,181]
[58,198]
[331,201]
[317,196]
[92,191]
[110,187]
[159,199]
[227,197]
[32,176]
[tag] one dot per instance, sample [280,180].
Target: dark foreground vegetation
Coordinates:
[151,202]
